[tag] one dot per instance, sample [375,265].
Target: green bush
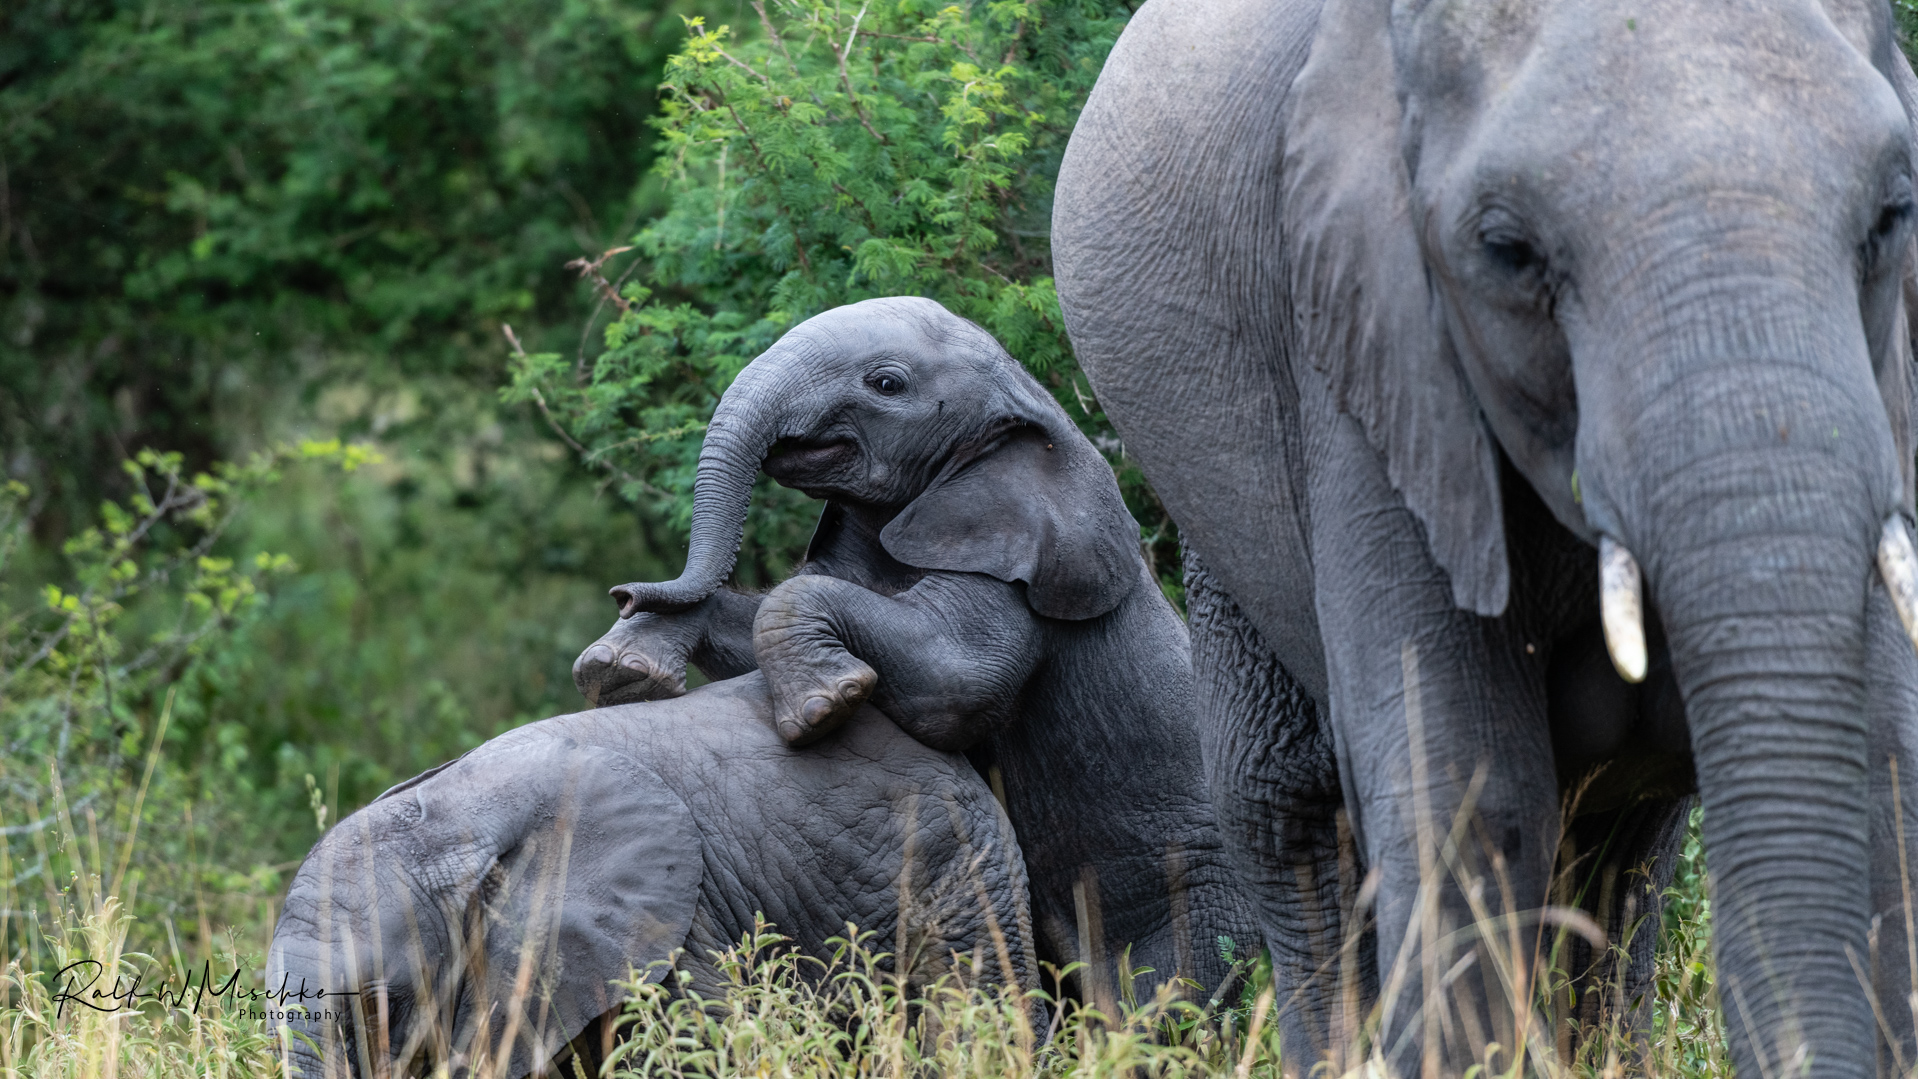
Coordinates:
[105,709]
[901,147]
[207,202]
[227,224]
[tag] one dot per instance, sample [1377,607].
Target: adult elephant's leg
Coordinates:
[1892,690]
[1275,791]
[1438,720]
[1616,865]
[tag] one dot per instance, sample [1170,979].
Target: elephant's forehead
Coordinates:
[902,324]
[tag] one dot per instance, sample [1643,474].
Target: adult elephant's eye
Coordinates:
[887,383]
[1889,227]
[1511,253]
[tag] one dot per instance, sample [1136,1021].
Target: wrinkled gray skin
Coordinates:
[1401,306]
[976,575]
[670,824]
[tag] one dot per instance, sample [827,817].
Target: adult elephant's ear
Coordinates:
[1366,315]
[1895,374]
[1030,501]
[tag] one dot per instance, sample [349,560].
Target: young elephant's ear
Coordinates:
[1365,313]
[1023,505]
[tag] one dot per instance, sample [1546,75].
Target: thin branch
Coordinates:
[586,457]
[871,222]
[960,45]
[589,268]
[747,68]
[779,203]
[174,498]
[766,21]
[1012,49]
[845,80]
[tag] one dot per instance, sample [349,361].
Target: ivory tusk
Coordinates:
[1899,567]
[1622,612]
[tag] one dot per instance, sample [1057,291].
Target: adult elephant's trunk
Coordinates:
[1747,464]
[743,428]
[1766,622]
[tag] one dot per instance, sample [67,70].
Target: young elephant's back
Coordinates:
[818,837]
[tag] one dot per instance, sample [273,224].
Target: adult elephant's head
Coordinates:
[900,410]
[1659,249]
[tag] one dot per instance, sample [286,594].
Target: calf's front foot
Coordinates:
[810,705]
[816,684]
[642,658]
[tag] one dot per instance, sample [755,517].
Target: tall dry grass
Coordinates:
[787,1015]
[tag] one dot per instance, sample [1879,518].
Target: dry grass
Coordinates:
[787,1015]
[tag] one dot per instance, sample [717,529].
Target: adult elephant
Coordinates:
[1437,324]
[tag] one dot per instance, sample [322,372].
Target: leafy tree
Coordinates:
[901,147]
[227,224]
[202,203]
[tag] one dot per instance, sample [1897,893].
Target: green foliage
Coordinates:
[40,1038]
[1689,1029]
[100,687]
[1905,14]
[227,224]
[902,147]
[204,201]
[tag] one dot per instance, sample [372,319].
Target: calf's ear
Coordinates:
[1024,505]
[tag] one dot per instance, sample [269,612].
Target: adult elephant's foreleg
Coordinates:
[1616,865]
[1275,790]
[1438,720]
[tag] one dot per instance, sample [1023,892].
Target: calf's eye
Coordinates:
[886,383]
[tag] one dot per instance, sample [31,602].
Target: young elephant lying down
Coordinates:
[487,905]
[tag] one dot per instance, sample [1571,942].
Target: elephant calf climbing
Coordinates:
[975,575]
[487,907]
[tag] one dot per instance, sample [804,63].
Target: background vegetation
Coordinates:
[349,349]
[228,225]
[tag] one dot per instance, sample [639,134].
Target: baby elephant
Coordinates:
[976,576]
[484,908]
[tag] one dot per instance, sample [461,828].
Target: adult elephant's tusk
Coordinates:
[1621,610]
[1899,567]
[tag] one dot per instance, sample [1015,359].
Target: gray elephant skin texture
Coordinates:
[1404,308]
[975,575]
[488,907]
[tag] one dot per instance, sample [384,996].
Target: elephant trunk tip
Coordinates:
[665,597]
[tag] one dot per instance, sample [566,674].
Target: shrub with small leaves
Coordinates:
[900,147]
[90,673]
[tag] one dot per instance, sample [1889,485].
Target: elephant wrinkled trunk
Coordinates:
[743,428]
[1758,557]
[1782,774]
